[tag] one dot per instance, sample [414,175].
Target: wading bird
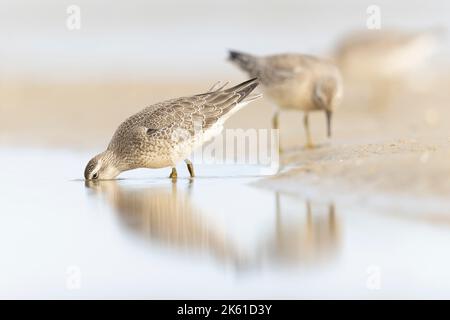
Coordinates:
[166,133]
[295,82]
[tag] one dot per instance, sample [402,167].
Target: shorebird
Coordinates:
[295,82]
[386,53]
[166,133]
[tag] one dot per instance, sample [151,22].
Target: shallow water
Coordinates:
[212,237]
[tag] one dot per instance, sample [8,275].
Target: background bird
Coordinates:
[379,64]
[386,53]
[295,82]
[165,133]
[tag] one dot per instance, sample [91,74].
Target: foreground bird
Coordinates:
[296,82]
[165,133]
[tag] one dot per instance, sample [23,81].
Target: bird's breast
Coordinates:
[295,95]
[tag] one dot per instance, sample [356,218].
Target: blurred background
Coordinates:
[176,40]
[365,215]
[127,55]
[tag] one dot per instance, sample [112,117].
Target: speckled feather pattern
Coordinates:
[165,133]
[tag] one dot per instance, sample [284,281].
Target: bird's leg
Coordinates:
[173,174]
[309,143]
[276,126]
[329,115]
[332,219]
[275,120]
[190,167]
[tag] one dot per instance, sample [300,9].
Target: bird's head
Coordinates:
[101,167]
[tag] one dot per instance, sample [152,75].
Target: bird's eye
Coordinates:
[95,176]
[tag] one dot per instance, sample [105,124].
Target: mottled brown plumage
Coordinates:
[163,134]
[296,82]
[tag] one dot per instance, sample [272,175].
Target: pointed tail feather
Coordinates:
[244,89]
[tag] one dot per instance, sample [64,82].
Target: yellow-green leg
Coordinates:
[275,120]
[276,126]
[309,143]
[190,167]
[332,218]
[173,174]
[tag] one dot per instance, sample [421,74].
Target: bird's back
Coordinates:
[188,116]
[278,68]
[290,80]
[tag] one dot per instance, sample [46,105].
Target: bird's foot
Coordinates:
[173,174]
[190,167]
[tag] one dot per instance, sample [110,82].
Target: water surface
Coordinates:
[216,236]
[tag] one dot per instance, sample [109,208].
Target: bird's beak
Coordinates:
[90,184]
[329,114]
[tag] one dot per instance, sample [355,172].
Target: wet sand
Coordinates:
[212,237]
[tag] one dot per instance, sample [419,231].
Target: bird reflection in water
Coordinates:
[309,238]
[164,213]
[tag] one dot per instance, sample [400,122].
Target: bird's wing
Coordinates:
[195,112]
[279,68]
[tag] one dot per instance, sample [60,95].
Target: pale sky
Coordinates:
[183,38]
